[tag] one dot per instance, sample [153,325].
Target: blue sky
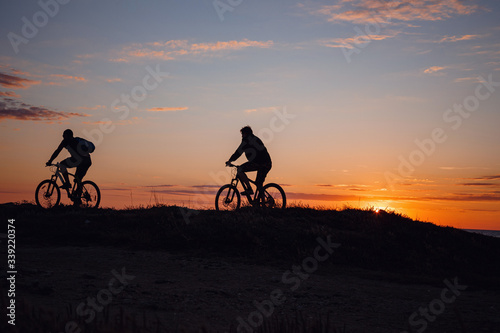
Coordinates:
[356,104]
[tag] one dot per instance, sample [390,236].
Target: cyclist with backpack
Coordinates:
[80,150]
[258,159]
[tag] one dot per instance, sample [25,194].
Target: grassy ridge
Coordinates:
[382,242]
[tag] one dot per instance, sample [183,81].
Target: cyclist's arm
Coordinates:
[238,152]
[56,152]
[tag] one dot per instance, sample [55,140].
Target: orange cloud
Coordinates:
[168,109]
[9,94]
[434,69]
[349,42]
[16,82]
[64,77]
[174,49]
[263,109]
[16,110]
[231,45]
[69,77]
[467,79]
[366,11]
[457,39]
[97,107]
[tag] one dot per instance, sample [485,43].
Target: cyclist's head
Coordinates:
[68,134]
[246,131]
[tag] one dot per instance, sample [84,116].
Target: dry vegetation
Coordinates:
[382,246]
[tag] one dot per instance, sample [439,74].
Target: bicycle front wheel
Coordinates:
[273,196]
[227,198]
[91,195]
[47,194]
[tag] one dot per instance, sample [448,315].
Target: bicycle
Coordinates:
[84,194]
[229,198]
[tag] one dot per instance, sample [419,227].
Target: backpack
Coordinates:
[85,146]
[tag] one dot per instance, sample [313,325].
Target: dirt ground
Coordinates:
[189,292]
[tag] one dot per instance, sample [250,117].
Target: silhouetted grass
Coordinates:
[384,242]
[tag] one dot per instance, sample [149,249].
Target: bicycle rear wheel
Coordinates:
[47,194]
[227,198]
[91,195]
[273,196]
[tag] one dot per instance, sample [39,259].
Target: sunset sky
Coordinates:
[365,103]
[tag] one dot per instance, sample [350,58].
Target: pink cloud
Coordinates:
[366,11]
[263,109]
[16,82]
[97,107]
[9,94]
[458,38]
[173,49]
[17,110]
[231,45]
[434,69]
[349,42]
[69,77]
[168,109]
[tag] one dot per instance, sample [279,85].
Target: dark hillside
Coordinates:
[380,242]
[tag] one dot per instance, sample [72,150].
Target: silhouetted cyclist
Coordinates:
[257,156]
[80,158]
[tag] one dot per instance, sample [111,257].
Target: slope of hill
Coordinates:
[356,244]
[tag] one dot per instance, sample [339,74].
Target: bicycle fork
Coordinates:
[230,195]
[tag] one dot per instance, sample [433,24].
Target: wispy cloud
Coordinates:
[459,168]
[366,11]
[434,70]
[16,110]
[350,42]
[448,39]
[262,109]
[322,197]
[176,49]
[491,177]
[467,79]
[62,79]
[464,197]
[93,108]
[167,109]
[16,82]
[9,94]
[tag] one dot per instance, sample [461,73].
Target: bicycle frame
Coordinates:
[58,175]
[236,180]
[229,198]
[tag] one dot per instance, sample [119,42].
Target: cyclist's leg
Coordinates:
[63,166]
[262,172]
[246,167]
[81,171]
[82,168]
